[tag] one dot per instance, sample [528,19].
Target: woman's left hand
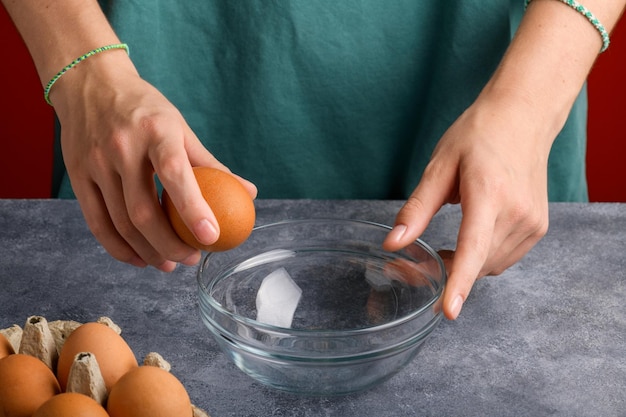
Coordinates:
[493,163]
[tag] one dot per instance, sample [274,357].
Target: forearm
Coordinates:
[58,31]
[550,58]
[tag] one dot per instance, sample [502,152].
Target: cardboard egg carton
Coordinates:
[44,340]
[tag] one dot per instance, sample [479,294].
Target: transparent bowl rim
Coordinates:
[248,322]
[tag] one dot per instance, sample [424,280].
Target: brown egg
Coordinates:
[6,348]
[149,391]
[70,405]
[25,384]
[113,355]
[232,205]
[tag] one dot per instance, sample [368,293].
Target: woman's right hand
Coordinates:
[118,131]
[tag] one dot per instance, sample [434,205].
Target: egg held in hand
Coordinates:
[25,384]
[231,203]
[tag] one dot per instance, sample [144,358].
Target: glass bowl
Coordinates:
[318,307]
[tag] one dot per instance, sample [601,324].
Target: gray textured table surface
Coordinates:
[547,337]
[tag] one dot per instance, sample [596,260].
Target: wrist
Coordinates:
[514,117]
[529,111]
[77,61]
[546,65]
[100,69]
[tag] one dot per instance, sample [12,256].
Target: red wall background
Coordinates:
[26,122]
[606,147]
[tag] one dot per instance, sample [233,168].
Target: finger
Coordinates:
[414,216]
[146,214]
[509,252]
[124,221]
[473,247]
[446,256]
[409,272]
[174,169]
[524,231]
[511,257]
[101,225]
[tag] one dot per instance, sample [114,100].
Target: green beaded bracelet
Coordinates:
[590,16]
[46,90]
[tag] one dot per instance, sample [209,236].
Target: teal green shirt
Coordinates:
[330,99]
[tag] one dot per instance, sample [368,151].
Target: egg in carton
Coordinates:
[45,341]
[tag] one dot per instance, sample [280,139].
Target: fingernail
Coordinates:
[397,232]
[205,232]
[455,307]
